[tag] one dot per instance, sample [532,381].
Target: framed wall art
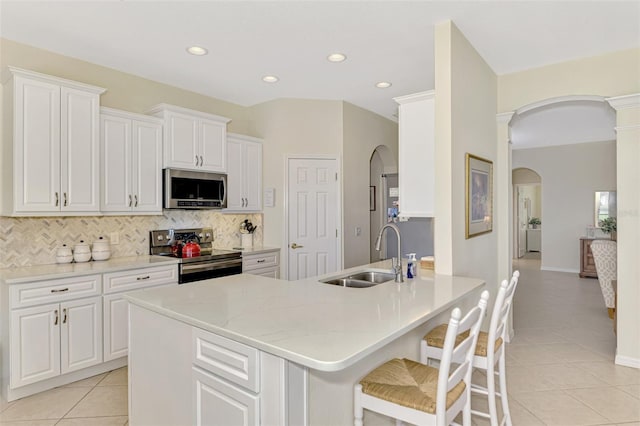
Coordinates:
[479,196]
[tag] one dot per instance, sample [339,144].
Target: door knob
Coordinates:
[295,246]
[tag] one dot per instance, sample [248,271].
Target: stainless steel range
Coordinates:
[183,244]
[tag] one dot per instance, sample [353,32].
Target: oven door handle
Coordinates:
[201,267]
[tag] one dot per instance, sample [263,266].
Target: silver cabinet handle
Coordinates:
[129,200]
[64,319]
[295,246]
[55,322]
[261,260]
[136,198]
[201,161]
[65,199]
[143,278]
[62,290]
[57,199]
[196,161]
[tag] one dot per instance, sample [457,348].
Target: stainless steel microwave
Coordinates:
[184,189]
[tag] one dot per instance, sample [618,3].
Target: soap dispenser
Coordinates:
[411,265]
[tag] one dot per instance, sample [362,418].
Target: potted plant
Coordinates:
[534,222]
[609,225]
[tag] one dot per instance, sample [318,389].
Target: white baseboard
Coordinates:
[627,361]
[551,268]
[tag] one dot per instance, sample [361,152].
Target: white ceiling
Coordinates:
[383,40]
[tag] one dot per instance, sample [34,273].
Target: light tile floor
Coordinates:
[560,368]
[97,401]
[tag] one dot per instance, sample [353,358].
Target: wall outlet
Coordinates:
[358,231]
[115,238]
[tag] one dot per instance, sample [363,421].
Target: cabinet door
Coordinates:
[35,344]
[79,146]
[416,155]
[181,142]
[37,146]
[147,160]
[81,334]
[115,136]
[253,176]
[116,327]
[217,402]
[235,171]
[213,146]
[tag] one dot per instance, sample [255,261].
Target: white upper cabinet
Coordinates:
[244,173]
[52,166]
[193,140]
[416,152]
[131,153]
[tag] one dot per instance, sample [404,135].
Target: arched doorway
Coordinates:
[381,163]
[527,213]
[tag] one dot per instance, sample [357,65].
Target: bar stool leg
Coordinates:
[503,389]
[358,411]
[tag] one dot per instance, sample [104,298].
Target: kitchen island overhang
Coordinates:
[319,338]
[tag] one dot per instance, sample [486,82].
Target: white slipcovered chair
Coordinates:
[605,256]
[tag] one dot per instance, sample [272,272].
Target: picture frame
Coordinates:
[478,196]
[372,198]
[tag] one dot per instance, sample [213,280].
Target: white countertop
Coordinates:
[55,271]
[321,326]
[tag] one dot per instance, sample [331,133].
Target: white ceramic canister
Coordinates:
[64,254]
[101,249]
[81,252]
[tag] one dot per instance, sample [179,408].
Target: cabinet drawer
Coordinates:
[225,358]
[259,261]
[139,278]
[52,291]
[273,272]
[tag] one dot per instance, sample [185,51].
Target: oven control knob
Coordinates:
[207,235]
[160,238]
[168,237]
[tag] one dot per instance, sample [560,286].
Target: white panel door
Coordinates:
[116,327]
[523,217]
[312,216]
[147,167]
[181,144]
[81,334]
[213,146]
[217,402]
[35,344]
[235,175]
[253,176]
[79,146]
[115,136]
[37,148]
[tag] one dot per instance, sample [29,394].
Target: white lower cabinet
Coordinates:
[266,263]
[116,307]
[63,330]
[55,339]
[217,402]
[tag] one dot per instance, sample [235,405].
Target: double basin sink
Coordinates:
[361,279]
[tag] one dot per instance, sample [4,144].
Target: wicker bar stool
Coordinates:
[489,351]
[419,394]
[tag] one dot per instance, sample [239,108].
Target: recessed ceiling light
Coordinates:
[197,50]
[336,57]
[383,85]
[270,79]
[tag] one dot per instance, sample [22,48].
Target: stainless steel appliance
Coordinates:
[211,263]
[185,189]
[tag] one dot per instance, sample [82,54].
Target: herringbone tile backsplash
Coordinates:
[33,241]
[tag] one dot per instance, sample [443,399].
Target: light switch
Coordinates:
[115,238]
[358,231]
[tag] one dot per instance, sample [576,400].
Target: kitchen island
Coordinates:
[256,350]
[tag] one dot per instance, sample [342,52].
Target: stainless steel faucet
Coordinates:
[397,263]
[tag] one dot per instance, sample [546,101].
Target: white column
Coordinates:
[628,193]
[504,203]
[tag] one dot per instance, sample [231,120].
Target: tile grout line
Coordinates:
[81,399]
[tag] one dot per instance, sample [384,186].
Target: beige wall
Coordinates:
[570,175]
[470,85]
[612,74]
[124,91]
[363,132]
[292,127]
